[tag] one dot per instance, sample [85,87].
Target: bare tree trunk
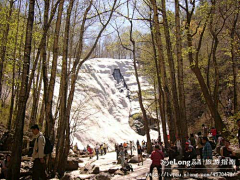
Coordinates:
[14,170]
[42,44]
[20,49]
[42,114]
[72,31]
[156,110]
[145,120]
[161,100]
[13,72]
[64,127]
[182,128]
[182,107]
[162,65]
[214,51]
[36,96]
[50,87]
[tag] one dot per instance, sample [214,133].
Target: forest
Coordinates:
[187,50]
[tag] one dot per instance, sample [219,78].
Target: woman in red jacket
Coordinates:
[90,151]
[214,134]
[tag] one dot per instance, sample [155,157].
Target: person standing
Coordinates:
[207,154]
[189,152]
[157,156]
[172,151]
[200,146]
[137,143]
[140,157]
[90,151]
[214,134]
[178,145]
[131,147]
[122,156]
[125,145]
[105,148]
[97,151]
[38,154]
[192,140]
[101,148]
[117,149]
[207,149]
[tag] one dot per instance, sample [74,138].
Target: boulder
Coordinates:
[134,159]
[119,172]
[95,170]
[75,159]
[26,158]
[144,155]
[72,165]
[87,169]
[112,171]
[80,161]
[24,173]
[103,176]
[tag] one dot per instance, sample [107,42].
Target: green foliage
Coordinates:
[4,114]
[232,128]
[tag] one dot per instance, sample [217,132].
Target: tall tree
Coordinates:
[63,151]
[161,100]
[77,64]
[161,59]
[14,69]
[194,61]
[181,92]
[234,58]
[181,120]
[15,163]
[49,86]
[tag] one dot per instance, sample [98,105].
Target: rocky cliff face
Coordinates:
[102,104]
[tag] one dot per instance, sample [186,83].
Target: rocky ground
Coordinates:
[107,168]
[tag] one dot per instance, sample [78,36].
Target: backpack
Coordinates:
[48,148]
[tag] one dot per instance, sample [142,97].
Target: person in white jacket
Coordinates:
[38,154]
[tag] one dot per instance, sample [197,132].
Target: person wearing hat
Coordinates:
[189,152]
[157,156]
[38,154]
